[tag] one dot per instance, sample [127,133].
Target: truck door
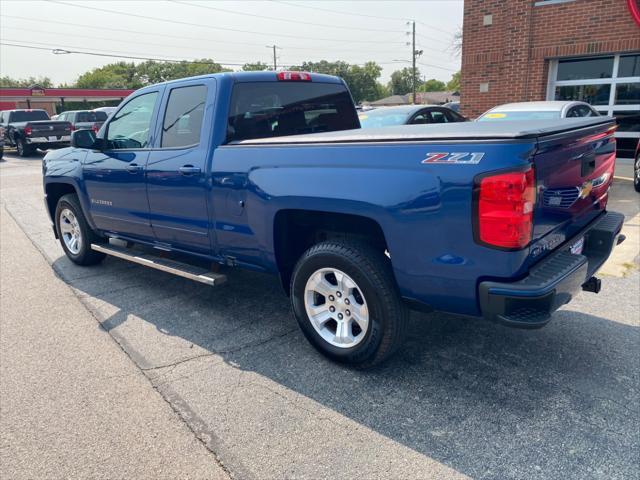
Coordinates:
[115,177]
[177,176]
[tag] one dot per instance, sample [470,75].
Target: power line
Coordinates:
[341,13]
[179,37]
[432,39]
[403,19]
[298,22]
[434,28]
[173,22]
[116,54]
[437,66]
[93,37]
[132,56]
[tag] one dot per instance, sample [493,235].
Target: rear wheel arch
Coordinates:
[296,230]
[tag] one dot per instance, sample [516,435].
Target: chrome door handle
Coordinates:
[189,170]
[134,168]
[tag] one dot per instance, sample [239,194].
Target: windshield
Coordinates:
[522,115]
[28,116]
[383,117]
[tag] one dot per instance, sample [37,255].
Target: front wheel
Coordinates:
[636,173]
[75,233]
[347,304]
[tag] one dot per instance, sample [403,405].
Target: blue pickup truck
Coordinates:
[271,172]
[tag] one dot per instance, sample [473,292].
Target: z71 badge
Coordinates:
[471,158]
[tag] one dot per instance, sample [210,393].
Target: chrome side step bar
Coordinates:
[170,266]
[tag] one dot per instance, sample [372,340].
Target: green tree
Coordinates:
[402,81]
[151,72]
[255,67]
[362,80]
[130,75]
[454,84]
[432,85]
[44,82]
[113,75]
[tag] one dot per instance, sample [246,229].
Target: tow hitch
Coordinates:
[592,285]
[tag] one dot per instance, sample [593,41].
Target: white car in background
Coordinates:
[538,111]
[107,110]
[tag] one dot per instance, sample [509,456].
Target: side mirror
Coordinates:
[84,139]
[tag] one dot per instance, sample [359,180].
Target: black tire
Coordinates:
[85,256]
[636,173]
[1,152]
[371,271]
[24,149]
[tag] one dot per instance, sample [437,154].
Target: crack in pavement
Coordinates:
[220,352]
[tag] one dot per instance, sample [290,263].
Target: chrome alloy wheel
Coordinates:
[336,307]
[70,231]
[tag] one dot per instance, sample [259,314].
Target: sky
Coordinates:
[229,32]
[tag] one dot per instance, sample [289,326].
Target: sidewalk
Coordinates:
[72,404]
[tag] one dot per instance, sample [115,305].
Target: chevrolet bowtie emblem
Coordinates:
[585,189]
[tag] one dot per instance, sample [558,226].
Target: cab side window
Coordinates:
[183,117]
[438,116]
[420,119]
[130,127]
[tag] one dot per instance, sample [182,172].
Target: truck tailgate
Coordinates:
[574,171]
[52,128]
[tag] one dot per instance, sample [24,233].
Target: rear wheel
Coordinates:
[24,149]
[75,233]
[347,303]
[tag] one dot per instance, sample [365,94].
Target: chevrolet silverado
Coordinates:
[271,172]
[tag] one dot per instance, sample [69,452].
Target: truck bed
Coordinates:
[446,131]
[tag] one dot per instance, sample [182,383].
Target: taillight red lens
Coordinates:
[505,209]
[28,131]
[96,128]
[72,127]
[294,76]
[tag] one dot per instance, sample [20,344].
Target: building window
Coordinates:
[611,83]
[592,94]
[581,69]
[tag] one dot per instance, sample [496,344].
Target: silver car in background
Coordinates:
[538,111]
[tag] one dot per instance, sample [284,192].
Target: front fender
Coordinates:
[64,167]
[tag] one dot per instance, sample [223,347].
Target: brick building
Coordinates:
[524,50]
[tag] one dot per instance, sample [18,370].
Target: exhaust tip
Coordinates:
[593,285]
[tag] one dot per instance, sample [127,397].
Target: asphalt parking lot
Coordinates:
[464,398]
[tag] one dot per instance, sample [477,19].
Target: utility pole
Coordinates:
[414,55]
[275,63]
[413,59]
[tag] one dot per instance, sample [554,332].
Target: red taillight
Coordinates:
[294,76]
[72,127]
[96,128]
[505,209]
[28,131]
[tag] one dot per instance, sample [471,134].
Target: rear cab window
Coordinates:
[90,117]
[276,109]
[28,116]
